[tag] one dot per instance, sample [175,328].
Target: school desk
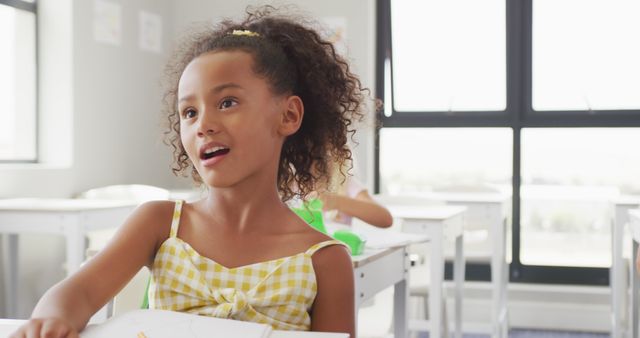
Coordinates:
[619,287]
[71,218]
[437,222]
[384,263]
[375,270]
[488,209]
[634,227]
[8,326]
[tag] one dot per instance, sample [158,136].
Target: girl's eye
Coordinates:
[189,113]
[227,103]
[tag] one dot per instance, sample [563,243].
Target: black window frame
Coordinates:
[31,7]
[518,114]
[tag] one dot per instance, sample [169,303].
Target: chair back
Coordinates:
[136,192]
[389,200]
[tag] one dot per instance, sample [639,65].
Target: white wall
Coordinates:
[99,105]
[100,122]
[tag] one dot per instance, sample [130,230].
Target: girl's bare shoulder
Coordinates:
[154,218]
[156,210]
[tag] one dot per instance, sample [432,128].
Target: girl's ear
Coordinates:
[292,115]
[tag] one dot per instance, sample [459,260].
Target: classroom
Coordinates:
[474,163]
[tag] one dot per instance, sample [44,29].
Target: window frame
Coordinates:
[31,7]
[518,114]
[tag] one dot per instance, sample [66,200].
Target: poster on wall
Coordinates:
[107,22]
[150,32]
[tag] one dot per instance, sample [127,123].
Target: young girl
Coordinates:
[258,110]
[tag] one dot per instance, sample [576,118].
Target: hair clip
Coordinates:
[244,32]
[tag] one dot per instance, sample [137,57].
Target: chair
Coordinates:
[134,295]
[131,295]
[138,192]
[479,246]
[417,288]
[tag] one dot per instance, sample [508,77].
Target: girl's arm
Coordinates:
[334,307]
[362,206]
[66,308]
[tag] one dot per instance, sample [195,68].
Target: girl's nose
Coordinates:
[207,126]
[205,131]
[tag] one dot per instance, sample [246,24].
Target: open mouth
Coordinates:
[212,152]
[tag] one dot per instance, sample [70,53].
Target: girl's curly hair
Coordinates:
[293,59]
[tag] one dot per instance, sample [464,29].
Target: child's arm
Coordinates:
[66,308]
[361,206]
[334,307]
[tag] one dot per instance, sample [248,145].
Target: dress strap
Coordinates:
[321,245]
[175,220]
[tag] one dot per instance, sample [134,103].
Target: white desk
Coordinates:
[374,271]
[617,281]
[71,218]
[634,226]
[384,262]
[8,326]
[490,209]
[438,222]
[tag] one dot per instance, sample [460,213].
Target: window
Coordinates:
[18,99]
[535,97]
[448,55]
[414,160]
[570,177]
[584,55]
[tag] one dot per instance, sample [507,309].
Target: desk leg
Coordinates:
[459,267]
[400,303]
[635,286]
[615,283]
[437,279]
[75,245]
[11,277]
[504,286]
[616,278]
[499,279]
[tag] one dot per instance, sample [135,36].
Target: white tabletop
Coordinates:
[8,326]
[59,204]
[627,200]
[378,238]
[469,197]
[370,255]
[433,212]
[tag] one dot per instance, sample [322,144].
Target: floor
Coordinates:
[536,334]
[374,321]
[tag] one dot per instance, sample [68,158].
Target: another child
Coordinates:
[257,110]
[350,198]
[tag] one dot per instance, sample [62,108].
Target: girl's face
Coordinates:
[231,124]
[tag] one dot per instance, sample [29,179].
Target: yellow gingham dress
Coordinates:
[278,292]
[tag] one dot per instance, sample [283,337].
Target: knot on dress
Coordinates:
[230,302]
